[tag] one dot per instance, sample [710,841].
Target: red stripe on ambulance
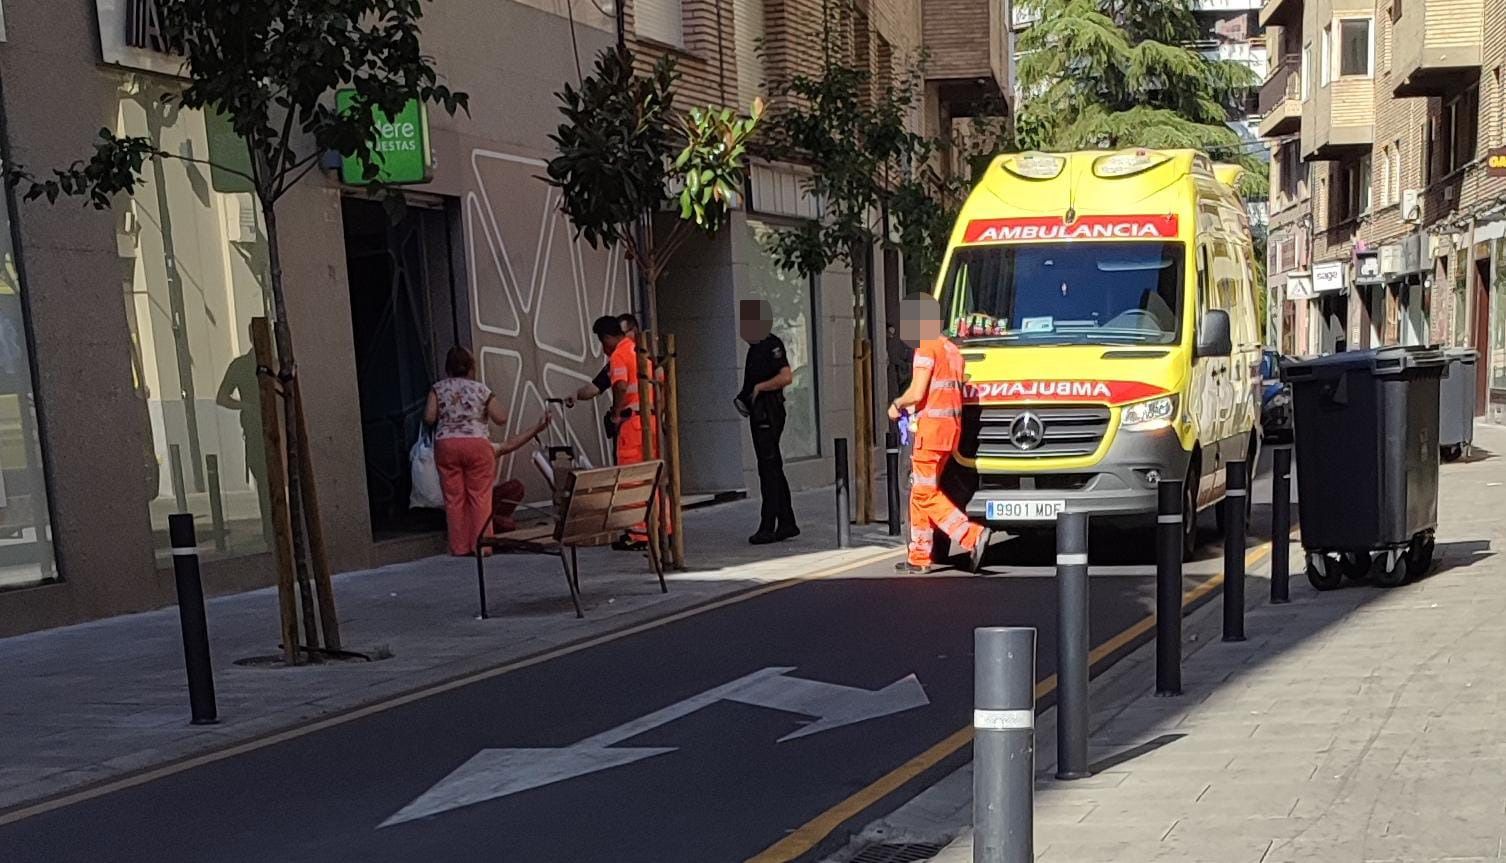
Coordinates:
[1084,228]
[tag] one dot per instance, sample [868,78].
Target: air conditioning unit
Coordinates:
[1411,205]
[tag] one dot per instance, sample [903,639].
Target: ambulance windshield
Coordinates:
[1065,293]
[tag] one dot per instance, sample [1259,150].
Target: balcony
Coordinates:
[967,70]
[1438,46]
[1281,100]
[1282,13]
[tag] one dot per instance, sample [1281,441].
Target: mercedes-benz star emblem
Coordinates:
[1027,431]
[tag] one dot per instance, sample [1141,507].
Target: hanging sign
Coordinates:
[401,149]
[1495,162]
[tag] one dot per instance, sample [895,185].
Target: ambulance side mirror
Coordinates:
[1213,335]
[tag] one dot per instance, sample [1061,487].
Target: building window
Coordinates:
[1385,176]
[661,21]
[1355,47]
[792,300]
[1353,198]
[1290,168]
[1396,171]
[25,524]
[1306,72]
[1325,56]
[1429,151]
[1454,136]
[192,258]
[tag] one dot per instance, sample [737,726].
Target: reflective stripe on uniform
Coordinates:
[943,413]
[927,481]
[946,385]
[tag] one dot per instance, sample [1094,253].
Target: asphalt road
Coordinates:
[703,740]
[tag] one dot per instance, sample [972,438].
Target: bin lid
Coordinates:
[1380,362]
[1464,356]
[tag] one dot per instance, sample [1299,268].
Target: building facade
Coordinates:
[1387,215]
[129,384]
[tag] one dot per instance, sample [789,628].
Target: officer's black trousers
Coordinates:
[768,426]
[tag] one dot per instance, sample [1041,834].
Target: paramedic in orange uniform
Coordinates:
[625,413]
[935,397]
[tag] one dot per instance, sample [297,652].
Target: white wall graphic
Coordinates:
[534,292]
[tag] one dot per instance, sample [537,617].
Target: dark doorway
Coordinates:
[1481,335]
[404,317]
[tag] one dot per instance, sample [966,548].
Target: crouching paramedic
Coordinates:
[935,396]
[626,413]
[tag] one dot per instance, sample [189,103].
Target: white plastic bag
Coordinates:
[427,491]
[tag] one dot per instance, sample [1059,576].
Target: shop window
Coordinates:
[792,300]
[25,525]
[192,257]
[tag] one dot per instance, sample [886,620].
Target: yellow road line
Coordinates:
[417,695]
[815,831]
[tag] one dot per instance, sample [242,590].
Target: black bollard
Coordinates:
[1169,587]
[1281,524]
[1235,500]
[1072,646]
[191,615]
[1003,744]
[891,466]
[844,500]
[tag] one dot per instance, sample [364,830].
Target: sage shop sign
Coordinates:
[401,149]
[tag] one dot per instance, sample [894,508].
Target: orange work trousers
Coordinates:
[630,451]
[930,510]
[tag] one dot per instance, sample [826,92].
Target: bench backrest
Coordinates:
[606,500]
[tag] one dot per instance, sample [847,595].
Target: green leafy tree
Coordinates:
[1123,73]
[272,68]
[625,153]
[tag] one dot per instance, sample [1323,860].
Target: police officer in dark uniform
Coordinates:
[765,375]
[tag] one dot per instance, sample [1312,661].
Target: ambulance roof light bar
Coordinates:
[1034,165]
[1127,163]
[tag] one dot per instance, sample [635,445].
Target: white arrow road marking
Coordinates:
[494,773]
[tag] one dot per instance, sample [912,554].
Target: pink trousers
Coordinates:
[467,467]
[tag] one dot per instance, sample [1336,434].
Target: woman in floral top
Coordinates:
[459,408]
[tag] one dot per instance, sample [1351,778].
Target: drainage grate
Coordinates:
[910,852]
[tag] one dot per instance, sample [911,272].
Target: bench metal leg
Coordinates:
[654,558]
[571,575]
[481,580]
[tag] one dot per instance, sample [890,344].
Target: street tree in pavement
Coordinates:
[272,68]
[1124,73]
[624,152]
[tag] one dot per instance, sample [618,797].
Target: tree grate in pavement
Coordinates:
[909,852]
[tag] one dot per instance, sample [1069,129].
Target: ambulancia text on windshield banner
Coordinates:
[1084,228]
[1109,392]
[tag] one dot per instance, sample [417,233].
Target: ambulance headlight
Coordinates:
[1128,163]
[1149,415]
[1034,166]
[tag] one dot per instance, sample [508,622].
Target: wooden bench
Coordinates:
[595,505]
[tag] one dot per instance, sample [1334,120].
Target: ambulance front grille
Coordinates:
[1064,431]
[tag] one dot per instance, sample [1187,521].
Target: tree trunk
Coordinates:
[288,373]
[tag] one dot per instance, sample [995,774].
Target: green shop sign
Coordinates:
[402,145]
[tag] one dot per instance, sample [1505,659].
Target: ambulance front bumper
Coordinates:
[1122,483]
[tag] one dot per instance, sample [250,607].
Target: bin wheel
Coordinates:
[1453,452]
[1356,565]
[1390,569]
[1324,572]
[1419,556]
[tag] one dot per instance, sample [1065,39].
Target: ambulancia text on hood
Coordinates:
[1084,228]
[1106,392]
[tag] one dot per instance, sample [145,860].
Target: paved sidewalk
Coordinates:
[90,702]
[1358,725]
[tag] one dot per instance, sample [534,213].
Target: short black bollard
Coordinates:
[1169,587]
[191,615]
[844,499]
[1236,499]
[891,467]
[1072,646]
[1281,524]
[1003,744]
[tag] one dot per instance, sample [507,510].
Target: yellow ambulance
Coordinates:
[1104,303]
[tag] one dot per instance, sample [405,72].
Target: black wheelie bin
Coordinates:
[1456,407]
[1367,462]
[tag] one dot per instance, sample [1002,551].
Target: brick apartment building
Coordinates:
[1386,222]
